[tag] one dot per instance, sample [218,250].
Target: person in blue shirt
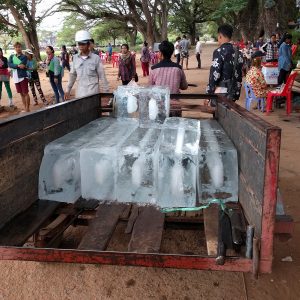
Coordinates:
[285,59]
[110,51]
[18,63]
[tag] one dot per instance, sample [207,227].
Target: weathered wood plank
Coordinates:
[147,231]
[252,207]
[16,232]
[102,227]
[20,126]
[211,228]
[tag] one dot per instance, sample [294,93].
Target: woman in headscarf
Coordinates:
[127,66]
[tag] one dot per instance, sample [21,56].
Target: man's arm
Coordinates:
[101,75]
[151,78]
[72,79]
[215,72]
[183,82]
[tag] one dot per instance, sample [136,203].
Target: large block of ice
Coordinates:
[177,163]
[136,174]
[218,164]
[98,161]
[154,106]
[127,100]
[59,176]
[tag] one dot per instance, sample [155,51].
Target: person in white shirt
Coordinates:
[177,49]
[198,52]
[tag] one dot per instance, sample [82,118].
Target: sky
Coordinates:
[54,22]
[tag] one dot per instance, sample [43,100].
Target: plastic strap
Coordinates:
[213,201]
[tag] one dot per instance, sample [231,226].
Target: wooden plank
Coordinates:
[252,207]
[102,227]
[133,216]
[18,127]
[16,232]
[20,162]
[147,231]
[211,228]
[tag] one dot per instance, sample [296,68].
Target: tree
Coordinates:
[148,17]
[253,18]
[109,30]
[186,14]
[25,20]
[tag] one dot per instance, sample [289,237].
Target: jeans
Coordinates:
[65,64]
[57,88]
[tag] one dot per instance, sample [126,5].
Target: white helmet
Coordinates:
[82,36]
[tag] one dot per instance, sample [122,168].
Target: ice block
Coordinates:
[98,161]
[127,100]
[218,164]
[59,176]
[177,163]
[135,180]
[154,106]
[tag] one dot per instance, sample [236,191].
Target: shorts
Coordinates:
[184,54]
[22,87]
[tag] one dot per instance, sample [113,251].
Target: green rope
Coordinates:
[213,201]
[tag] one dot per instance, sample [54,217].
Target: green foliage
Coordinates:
[108,31]
[73,23]
[227,9]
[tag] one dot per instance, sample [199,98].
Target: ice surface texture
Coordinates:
[150,104]
[98,161]
[59,176]
[218,164]
[136,173]
[177,163]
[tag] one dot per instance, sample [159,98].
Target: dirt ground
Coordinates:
[30,280]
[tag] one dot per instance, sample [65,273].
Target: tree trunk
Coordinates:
[192,32]
[34,43]
[132,37]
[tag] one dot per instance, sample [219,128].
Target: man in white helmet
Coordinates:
[87,68]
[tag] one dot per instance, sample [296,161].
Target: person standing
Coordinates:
[198,52]
[145,59]
[4,78]
[166,72]
[109,52]
[271,49]
[55,73]
[17,62]
[285,59]
[92,47]
[33,77]
[225,75]
[73,51]
[184,51]
[127,66]
[177,49]
[65,58]
[87,69]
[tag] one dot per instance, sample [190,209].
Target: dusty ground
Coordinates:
[28,280]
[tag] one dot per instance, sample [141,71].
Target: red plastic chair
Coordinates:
[294,50]
[286,92]
[115,60]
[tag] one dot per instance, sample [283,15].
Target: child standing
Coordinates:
[18,63]
[4,77]
[34,78]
